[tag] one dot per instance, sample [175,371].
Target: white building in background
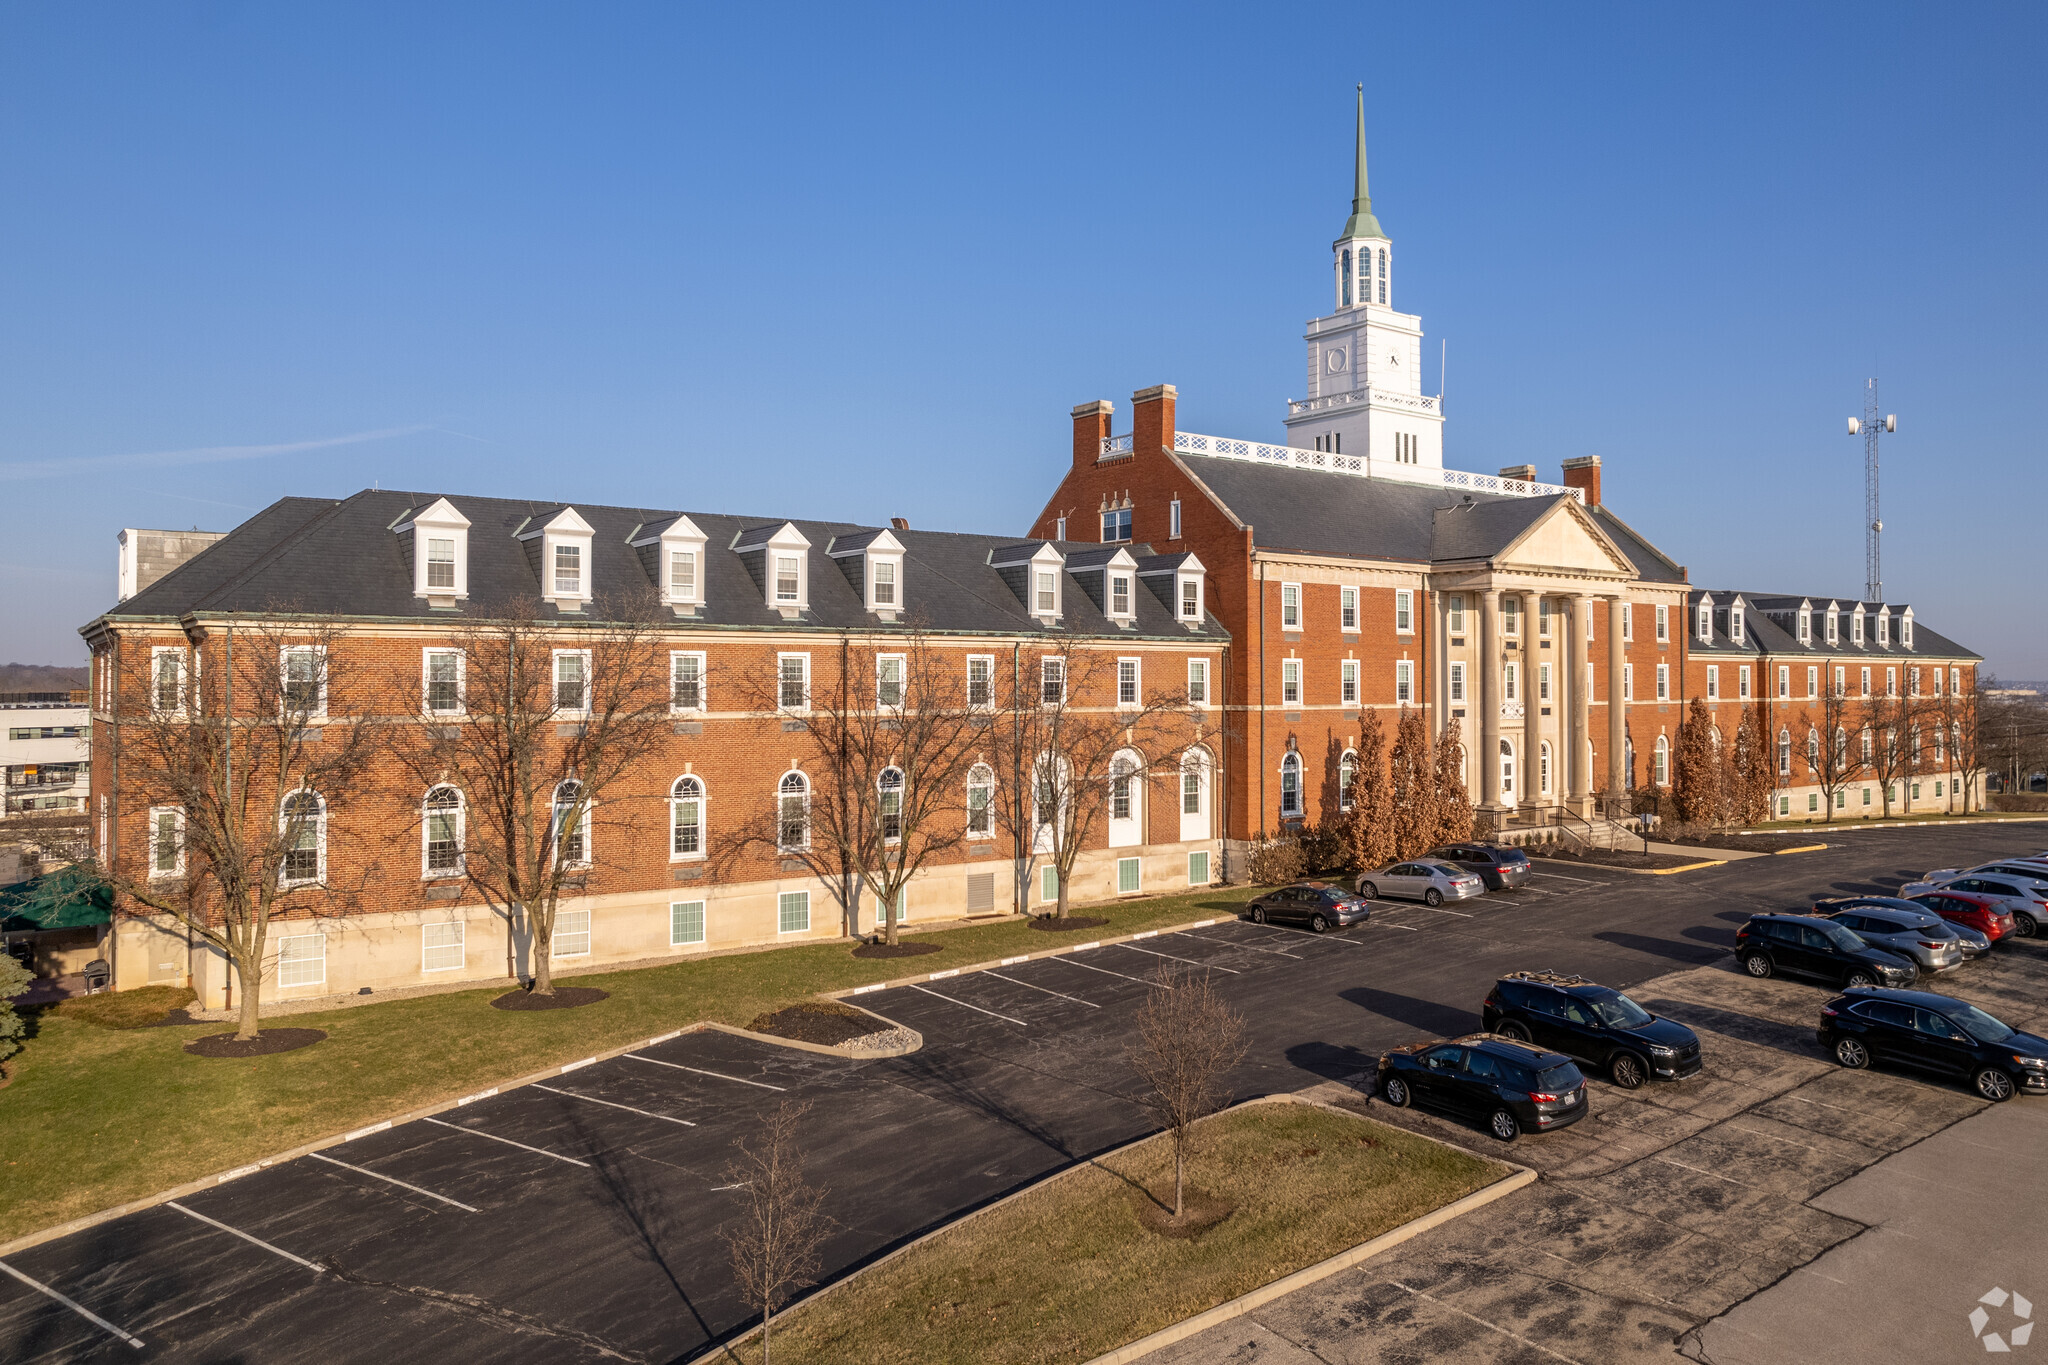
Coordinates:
[45,750]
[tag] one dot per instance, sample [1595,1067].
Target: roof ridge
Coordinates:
[289,540]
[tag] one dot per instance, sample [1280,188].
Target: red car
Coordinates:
[1970,909]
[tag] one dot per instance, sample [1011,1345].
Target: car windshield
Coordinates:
[1618,1011]
[1556,1078]
[1840,937]
[1333,896]
[1978,1024]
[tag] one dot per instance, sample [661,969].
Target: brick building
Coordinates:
[740,600]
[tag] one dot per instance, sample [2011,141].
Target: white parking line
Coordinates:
[313,1266]
[1190,961]
[976,1008]
[94,1318]
[1104,970]
[1494,1327]
[1441,911]
[612,1104]
[634,1056]
[1559,876]
[478,1132]
[1234,943]
[1026,984]
[379,1175]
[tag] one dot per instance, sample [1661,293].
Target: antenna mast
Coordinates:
[1870,426]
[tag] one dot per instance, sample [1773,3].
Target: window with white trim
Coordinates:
[789,580]
[1457,682]
[1866,681]
[441,682]
[1663,682]
[1543,768]
[686,680]
[685,923]
[1052,680]
[1784,682]
[1906,630]
[1742,683]
[1290,606]
[1129,876]
[1116,525]
[981,681]
[572,824]
[793,682]
[1834,626]
[1806,625]
[889,804]
[1511,616]
[302,828]
[304,669]
[981,799]
[1290,785]
[882,584]
[1290,682]
[1048,593]
[889,671]
[166,842]
[1856,627]
[440,564]
[793,912]
[1735,629]
[1784,753]
[1198,682]
[1660,762]
[301,960]
[1404,611]
[1812,681]
[793,812]
[1348,682]
[1127,682]
[1543,682]
[1713,682]
[572,934]
[1706,626]
[1119,595]
[1841,681]
[442,947]
[686,811]
[568,570]
[1191,785]
[682,575]
[1347,778]
[1628,682]
[1048,884]
[572,680]
[1955,681]
[1891,682]
[1511,682]
[1628,622]
[441,833]
[1198,868]
[1348,608]
[1404,681]
[1059,528]
[1455,614]
[1173,519]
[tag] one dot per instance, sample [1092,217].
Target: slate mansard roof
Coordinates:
[341,557]
[1769,626]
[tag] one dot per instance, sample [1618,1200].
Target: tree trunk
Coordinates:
[764,1336]
[543,954]
[1180,1166]
[250,975]
[1060,906]
[888,908]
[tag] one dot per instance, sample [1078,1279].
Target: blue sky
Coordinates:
[859,262]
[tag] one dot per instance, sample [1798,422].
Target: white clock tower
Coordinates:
[1365,360]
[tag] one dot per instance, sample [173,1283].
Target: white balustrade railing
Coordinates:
[1386,398]
[1259,452]
[1113,446]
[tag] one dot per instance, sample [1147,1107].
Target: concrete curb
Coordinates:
[1803,848]
[844,996]
[1636,871]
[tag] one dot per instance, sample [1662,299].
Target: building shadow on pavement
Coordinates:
[1443,1021]
[1691,954]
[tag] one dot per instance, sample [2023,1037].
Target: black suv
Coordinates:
[1506,1084]
[1502,869]
[1593,1023]
[1807,946]
[1933,1033]
[1315,904]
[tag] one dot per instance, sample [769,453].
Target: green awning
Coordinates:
[69,899]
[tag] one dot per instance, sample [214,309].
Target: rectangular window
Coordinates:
[1456,613]
[1511,616]
[440,564]
[981,681]
[1128,876]
[682,575]
[1349,682]
[1628,682]
[1891,682]
[167,679]
[1913,682]
[1290,682]
[1834,628]
[1713,682]
[885,583]
[1190,791]
[1116,524]
[302,959]
[1784,682]
[443,681]
[793,913]
[1126,682]
[1955,681]
[788,579]
[1052,681]
[1198,869]
[305,681]
[441,947]
[793,675]
[685,922]
[686,681]
[1813,801]
[443,833]
[1841,688]
[1119,594]
[980,796]
[1542,682]
[1543,618]
[572,933]
[1742,683]
[1173,520]
[1663,623]
[1404,681]
[572,680]
[1856,637]
[166,843]
[568,570]
[1457,682]
[1511,682]
[1048,593]
[1866,682]
[686,823]
[1589,681]
[889,680]
[1290,606]
[1812,681]
[1628,622]
[1191,599]
[1663,682]
[1404,611]
[1198,682]
[1348,597]
[1735,623]
[1048,884]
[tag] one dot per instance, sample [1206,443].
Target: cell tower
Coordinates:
[1870,426]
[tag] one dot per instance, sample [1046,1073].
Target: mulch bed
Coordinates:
[1047,924]
[817,1022]
[895,949]
[564,998]
[1613,857]
[262,1045]
[1199,1213]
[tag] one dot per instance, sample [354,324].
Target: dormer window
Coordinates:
[568,571]
[789,580]
[1706,626]
[1884,630]
[1806,625]
[1047,594]
[1906,629]
[873,562]
[1735,622]
[1834,626]
[1856,627]
[441,563]
[783,565]
[1120,595]
[672,553]
[1190,598]
[558,548]
[885,586]
[439,537]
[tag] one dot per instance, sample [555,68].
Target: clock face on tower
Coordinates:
[1394,359]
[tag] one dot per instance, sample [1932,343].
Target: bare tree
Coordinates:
[1956,711]
[888,744]
[1834,756]
[1894,723]
[246,745]
[1080,738]
[776,1241]
[1188,1040]
[542,725]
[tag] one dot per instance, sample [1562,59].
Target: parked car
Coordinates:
[1500,868]
[1988,915]
[2028,909]
[1806,945]
[1319,905]
[1509,1085]
[1592,1023]
[1973,942]
[1919,934]
[1938,1034]
[1424,880]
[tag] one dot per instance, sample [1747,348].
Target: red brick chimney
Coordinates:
[1091,429]
[1583,471]
[1525,472]
[1152,419]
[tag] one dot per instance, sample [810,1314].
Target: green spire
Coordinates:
[1361,223]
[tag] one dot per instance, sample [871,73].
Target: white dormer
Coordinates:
[1834,624]
[439,537]
[1038,578]
[1856,625]
[1906,628]
[1805,623]
[783,557]
[1705,627]
[673,552]
[559,551]
[1735,620]
[1884,627]
[1184,579]
[873,562]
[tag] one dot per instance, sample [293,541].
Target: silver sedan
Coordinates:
[1426,880]
[2021,896]
[1925,938]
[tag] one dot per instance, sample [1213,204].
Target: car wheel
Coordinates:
[2025,925]
[1504,1125]
[1757,965]
[1432,897]
[1860,979]
[1368,890]
[1258,914]
[1851,1053]
[1320,924]
[1394,1091]
[1514,1031]
[1993,1084]
[1628,1070]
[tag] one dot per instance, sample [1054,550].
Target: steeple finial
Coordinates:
[1361,223]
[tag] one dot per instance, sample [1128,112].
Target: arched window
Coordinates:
[1868,744]
[1543,768]
[1784,753]
[1344,273]
[441,828]
[302,825]
[1714,734]
[572,824]
[1841,748]
[1813,750]
[981,798]
[1192,766]
[793,812]
[1120,770]
[686,818]
[889,803]
[1383,274]
[1660,762]
[1347,779]
[1290,786]
[1507,772]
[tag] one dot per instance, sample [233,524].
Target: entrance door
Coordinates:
[1507,773]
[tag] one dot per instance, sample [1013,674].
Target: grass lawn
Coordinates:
[98,1115]
[1066,1271]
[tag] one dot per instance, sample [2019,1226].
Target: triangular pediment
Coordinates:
[1565,537]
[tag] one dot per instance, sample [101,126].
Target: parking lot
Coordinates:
[579,1219]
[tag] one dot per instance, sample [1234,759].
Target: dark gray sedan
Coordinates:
[1317,905]
[1501,868]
